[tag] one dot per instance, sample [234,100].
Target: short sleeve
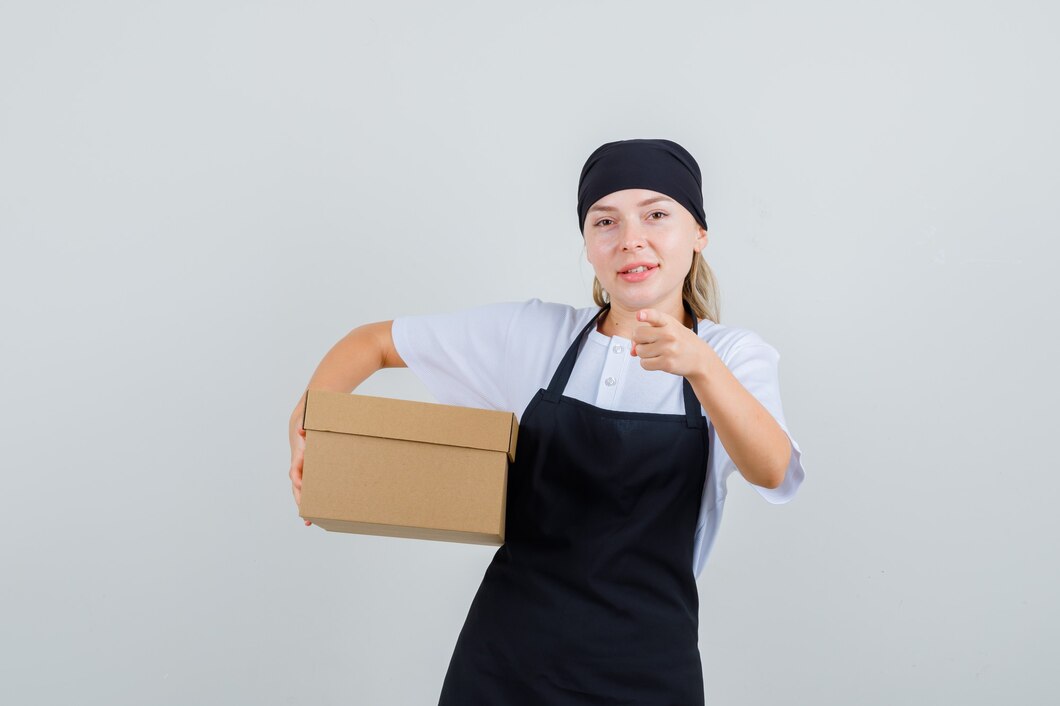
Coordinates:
[755,365]
[460,356]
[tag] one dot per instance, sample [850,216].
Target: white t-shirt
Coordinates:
[498,356]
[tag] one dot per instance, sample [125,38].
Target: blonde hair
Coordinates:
[700,290]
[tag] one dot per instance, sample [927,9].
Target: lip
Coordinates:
[637,276]
[633,265]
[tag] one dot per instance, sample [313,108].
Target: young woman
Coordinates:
[634,413]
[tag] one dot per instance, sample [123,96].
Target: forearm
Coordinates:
[350,362]
[755,442]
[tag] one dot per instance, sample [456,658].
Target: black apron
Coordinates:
[591,599]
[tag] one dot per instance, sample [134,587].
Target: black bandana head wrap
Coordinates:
[657,165]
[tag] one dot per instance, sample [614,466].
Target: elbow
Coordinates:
[776,478]
[773,481]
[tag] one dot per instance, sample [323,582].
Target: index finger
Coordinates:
[651,316]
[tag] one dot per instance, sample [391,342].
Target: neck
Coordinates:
[622,322]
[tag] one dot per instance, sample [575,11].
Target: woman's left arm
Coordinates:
[756,443]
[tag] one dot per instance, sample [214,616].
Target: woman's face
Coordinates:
[639,227]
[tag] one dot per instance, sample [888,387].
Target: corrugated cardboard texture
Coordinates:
[411,421]
[406,469]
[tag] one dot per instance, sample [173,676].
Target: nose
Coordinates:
[631,236]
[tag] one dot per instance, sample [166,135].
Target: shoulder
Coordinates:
[730,341]
[501,320]
[477,356]
[538,315]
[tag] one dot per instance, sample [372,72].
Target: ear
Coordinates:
[701,238]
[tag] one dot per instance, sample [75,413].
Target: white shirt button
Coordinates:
[609,382]
[617,348]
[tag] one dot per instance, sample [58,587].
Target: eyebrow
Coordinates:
[642,203]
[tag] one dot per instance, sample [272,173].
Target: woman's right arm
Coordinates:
[350,362]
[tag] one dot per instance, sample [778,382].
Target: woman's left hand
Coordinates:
[667,344]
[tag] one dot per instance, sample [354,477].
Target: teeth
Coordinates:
[642,268]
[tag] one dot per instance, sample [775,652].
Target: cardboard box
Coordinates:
[389,467]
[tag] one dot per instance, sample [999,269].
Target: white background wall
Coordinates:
[197,199]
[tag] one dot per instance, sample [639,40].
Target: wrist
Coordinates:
[707,363]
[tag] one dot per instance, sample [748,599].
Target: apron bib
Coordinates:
[591,599]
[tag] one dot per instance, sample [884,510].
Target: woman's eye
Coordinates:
[599,222]
[654,212]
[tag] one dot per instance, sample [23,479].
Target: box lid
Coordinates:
[426,422]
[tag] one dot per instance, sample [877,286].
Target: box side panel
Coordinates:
[513,439]
[504,499]
[369,480]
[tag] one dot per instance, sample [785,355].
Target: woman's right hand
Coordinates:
[297,459]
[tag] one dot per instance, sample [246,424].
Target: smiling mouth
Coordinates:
[636,270]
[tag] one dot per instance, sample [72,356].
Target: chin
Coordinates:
[640,300]
[635,302]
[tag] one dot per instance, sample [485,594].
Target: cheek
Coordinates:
[595,254]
